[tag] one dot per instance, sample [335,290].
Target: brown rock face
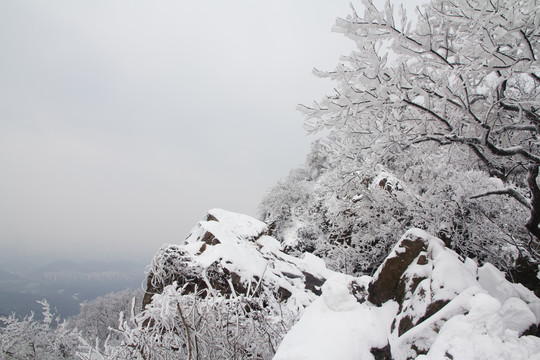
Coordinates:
[385,285]
[384,353]
[525,273]
[219,238]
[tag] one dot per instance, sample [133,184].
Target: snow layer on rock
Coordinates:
[517,316]
[450,314]
[494,282]
[483,333]
[239,244]
[233,232]
[450,276]
[413,233]
[423,335]
[336,326]
[336,293]
[446,307]
[471,308]
[237,225]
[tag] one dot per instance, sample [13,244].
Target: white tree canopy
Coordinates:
[466,75]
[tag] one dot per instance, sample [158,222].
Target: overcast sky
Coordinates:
[122,122]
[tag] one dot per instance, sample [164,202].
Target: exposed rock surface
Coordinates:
[424,302]
[388,283]
[230,254]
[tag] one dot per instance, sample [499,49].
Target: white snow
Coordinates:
[269,243]
[495,283]
[239,244]
[239,225]
[483,318]
[336,326]
[517,316]
[336,294]
[482,314]
[483,333]
[450,276]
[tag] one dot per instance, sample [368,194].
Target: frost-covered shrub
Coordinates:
[27,338]
[97,317]
[352,210]
[168,265]
[335,211]
[185,326]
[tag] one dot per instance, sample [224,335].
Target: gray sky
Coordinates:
[122,122]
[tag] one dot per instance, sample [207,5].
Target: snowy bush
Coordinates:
[97,317]
[185,326]
[27,338]
[352,211]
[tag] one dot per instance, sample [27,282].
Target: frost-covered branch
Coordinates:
[515,127]
[442,120]
[510,151]
[464,77]
[508,191]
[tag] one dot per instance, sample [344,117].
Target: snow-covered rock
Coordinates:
[229,254]
[424,302]
[337,326]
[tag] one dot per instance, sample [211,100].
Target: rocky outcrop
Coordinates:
[229,254]
[424,302]
[388,283]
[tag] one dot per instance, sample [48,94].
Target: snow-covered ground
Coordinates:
[483,316]
[337,326]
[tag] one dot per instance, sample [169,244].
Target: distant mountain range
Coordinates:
[124,266]
[65,284]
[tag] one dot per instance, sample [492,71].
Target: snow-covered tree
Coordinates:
[28,338]
[99,316]
[351,211]
[460,86]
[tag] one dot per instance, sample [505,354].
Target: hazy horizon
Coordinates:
[122,123]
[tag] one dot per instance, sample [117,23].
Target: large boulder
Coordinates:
[423,302]
[387,282]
